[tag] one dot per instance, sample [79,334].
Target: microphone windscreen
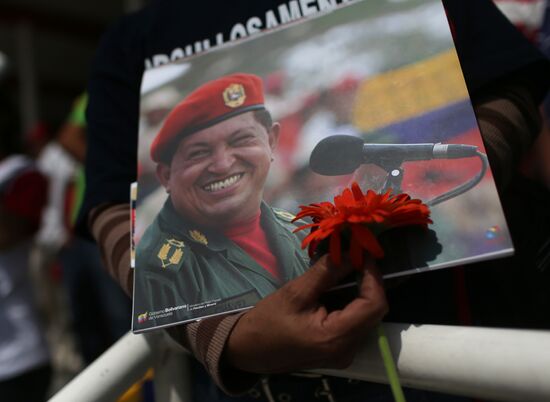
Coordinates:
[337,155]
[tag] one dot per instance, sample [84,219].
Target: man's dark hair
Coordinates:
[264,118]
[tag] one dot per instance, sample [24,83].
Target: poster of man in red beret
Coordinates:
[233,140]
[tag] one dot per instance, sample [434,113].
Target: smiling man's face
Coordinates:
[217,175]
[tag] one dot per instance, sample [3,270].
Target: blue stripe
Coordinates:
[435,126]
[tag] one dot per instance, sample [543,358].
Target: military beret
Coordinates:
[209,104]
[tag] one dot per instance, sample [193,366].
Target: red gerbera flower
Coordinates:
[361,217]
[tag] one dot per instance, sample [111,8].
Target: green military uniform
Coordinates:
[184,272]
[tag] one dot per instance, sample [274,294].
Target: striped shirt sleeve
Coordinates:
[509,121]
[206,339]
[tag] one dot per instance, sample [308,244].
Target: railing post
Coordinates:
[114,371]
[172,374]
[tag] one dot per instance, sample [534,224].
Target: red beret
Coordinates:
[209,104]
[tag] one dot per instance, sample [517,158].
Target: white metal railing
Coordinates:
[497,364]
[488,363]
[125,363]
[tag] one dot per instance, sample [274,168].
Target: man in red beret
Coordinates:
[215,246]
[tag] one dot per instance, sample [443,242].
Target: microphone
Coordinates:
[343,154]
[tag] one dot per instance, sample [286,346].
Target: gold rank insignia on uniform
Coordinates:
[171,252]
[198,237]
[284,214]
[234,95]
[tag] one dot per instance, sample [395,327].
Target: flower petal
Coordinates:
[356,190]
[367,214]
[366,239]
[310,225]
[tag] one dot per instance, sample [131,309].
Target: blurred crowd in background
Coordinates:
[59,309]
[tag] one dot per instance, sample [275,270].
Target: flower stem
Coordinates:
[389,364]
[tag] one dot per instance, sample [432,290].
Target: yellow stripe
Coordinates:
[409,91]
[134,393]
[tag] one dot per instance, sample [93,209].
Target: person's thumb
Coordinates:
[319,278]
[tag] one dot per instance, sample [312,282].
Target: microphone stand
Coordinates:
[394,176]
[395,173]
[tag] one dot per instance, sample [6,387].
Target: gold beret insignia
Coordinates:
[234,95]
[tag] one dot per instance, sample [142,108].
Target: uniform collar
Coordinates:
[278,234]
[211,238]
[214,239]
